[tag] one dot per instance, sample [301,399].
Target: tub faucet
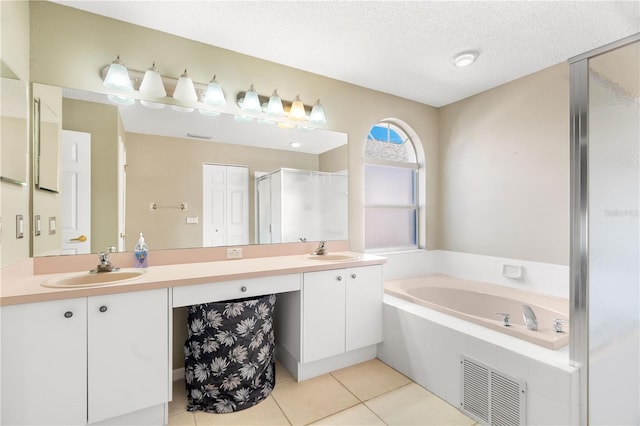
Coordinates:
[506,319]
[529,316]
[321,250]
[105,264]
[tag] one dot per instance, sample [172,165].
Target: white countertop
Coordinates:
[21,285]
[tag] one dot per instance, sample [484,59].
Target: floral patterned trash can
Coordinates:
[229,362]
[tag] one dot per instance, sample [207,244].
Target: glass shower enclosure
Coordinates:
[301,205]
[605,247]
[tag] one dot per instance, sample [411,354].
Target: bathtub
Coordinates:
[479,302]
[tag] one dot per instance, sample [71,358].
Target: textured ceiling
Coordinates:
[397,47]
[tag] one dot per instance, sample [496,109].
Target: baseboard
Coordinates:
[178,374]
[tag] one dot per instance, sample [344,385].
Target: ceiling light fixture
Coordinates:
[466,58]
[185,90]
[251,102]
[214,94]
[152,83]
[317,114]
[297,111]
[275,104]
[117,77]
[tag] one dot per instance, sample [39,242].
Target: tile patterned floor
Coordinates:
[370,393]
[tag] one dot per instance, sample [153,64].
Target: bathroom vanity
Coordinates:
[103,353]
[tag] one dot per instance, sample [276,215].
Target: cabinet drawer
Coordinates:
[227,290]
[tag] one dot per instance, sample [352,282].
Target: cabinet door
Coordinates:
[323,313]
[364,306]
[44,363]
[128,352]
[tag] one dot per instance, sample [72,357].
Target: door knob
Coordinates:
[81,238]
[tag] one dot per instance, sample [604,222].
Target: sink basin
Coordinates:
[332,257]
[88,279]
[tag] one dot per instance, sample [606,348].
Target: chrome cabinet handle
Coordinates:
[243,289]
[353,276]
[103,308]
[339,278]
[68,314]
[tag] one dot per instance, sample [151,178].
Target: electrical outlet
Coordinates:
[192,220]
[234,253]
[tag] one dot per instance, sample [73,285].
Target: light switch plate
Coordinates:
[19,226]
[192,220]
[52,225]
[37,226]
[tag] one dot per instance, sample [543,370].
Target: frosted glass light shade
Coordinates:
[152,85]
[214,94]
[297,111]
[151,104]
[251,102]
[275,105]
[185,91]
[317,114]
[117,77]
[121,100]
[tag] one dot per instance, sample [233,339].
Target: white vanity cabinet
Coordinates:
[341,311]
[44,363]
[84,360]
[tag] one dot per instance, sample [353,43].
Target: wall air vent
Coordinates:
[194,135]
[491,397]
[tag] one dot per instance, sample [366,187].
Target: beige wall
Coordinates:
[496,163]
[14,199]
[96,41]
[157,174]
[504,158]
[102,121]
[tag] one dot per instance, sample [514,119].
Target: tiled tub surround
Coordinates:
[481,302]
[426,345]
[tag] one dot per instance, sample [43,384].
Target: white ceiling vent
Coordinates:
[491,397]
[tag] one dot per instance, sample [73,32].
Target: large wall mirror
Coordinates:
[187,180]
[14,127]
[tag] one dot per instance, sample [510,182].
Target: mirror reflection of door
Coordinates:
[225,205]
[75,196]
[122,194]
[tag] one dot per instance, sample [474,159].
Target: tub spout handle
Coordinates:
[557,324]
[506,319]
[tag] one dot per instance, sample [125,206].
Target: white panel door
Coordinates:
[44,363]
[323,313]
[214,206]
[75,196]
[225,204]
[128,352]
[238,205]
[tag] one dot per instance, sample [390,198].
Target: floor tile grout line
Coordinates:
[280,408]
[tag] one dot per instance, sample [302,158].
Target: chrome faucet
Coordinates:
[321,250]
[529,316]
[105,264]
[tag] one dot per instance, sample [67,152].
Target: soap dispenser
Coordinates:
[141,252]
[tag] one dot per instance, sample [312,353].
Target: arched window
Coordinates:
[391,189]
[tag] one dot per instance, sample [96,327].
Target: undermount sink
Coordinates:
[332,257]
[92,279]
